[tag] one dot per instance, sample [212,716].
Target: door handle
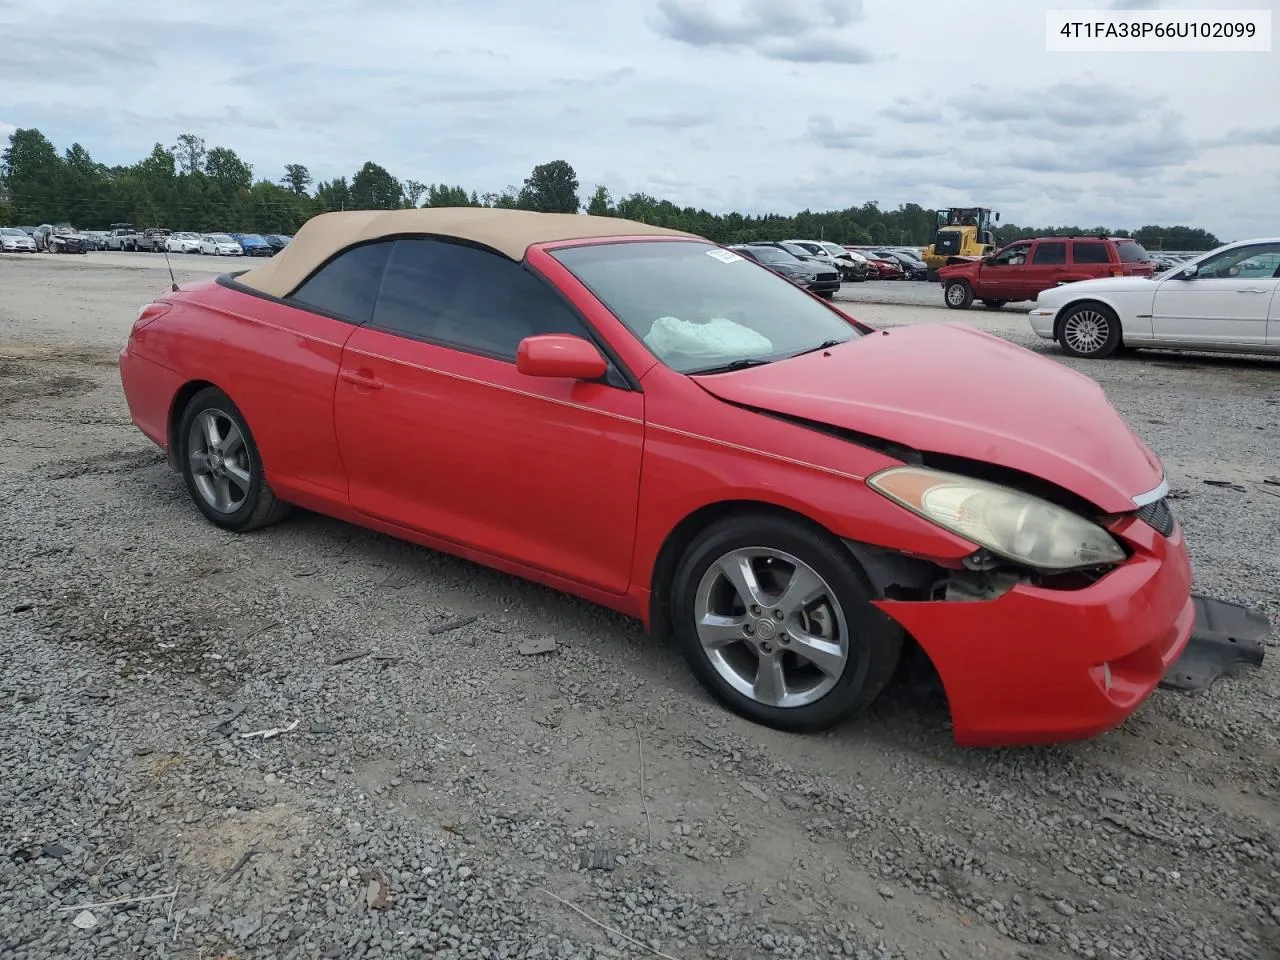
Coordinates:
[362,378]
[1252,290]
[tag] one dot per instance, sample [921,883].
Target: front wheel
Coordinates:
[222,467]
[1089,331]
[957,295]
[827,294]
[776,622]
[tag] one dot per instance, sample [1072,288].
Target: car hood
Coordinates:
[954,390]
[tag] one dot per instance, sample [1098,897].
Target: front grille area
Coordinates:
[1158,515]
[829,276]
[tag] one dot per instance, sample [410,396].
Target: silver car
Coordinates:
[13,240]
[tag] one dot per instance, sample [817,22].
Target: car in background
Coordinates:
[184,241]
[1025,268]
[254,245]
[885,266]
[805,502]
[62,238]
[816,277]
[913,268]
[814,250]
[220,245]
[277,241]
[94,240]
[833,255]
[797,251]
[1226,300]
[13,240]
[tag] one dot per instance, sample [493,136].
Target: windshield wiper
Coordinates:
[825,345]
[734,365]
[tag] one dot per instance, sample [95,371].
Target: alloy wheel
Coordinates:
[1086,331]
[219,459]
[771,627]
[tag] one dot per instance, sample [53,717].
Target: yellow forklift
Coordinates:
[964,233]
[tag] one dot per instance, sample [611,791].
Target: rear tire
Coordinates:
[958,295]
[1089,331]
[994,304]
[734,651]
[222,467]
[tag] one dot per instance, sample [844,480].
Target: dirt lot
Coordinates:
[440,789]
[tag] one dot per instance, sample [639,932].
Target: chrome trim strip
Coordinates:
[1151,496]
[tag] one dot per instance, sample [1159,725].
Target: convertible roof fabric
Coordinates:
[510,232]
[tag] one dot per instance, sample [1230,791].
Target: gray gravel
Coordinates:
[434,793]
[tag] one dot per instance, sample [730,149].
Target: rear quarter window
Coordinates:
[1131,251]
[347,285]
[1085,251]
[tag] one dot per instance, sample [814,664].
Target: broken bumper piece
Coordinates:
[1225,634]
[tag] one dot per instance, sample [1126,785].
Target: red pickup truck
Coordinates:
[1022,269]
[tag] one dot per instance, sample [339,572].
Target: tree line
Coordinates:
[191,186]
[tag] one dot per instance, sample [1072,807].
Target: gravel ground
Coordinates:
[435,792]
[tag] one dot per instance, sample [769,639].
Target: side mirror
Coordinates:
[560,355]
[1188,272]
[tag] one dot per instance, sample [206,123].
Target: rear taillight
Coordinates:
[151,312]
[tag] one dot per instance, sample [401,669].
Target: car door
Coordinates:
[1044,269]
[1227,300]
[442,434]
[998,277]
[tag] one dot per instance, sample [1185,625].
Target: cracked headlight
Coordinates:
[1014,525]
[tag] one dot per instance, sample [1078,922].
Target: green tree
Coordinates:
[297,178]
[34,177]
[414,190]
[227,170]
[600,204]
[374,188]
[443,195]
[189,152]
[333,195]
[551,188]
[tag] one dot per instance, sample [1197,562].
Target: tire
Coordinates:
[827,294]
[958,295]
[257,505]
[1089,331]
[994,304]
[862,646]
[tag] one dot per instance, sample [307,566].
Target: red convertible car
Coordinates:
[653,422]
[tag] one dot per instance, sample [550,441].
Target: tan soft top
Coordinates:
[510,232]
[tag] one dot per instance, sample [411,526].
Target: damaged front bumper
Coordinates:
[1038,664]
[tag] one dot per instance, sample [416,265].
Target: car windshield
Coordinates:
[772,255]
[834,249]
[221,238]
[252,238]
[700,308]
[797,250]
[10,232]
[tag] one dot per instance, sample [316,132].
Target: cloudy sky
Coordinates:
[754,105]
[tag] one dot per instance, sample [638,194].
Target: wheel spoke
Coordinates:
[199,463]
[737,569]
[222,492]
[802,589]
[239,476]
[716,631]
[771,682]
[209,423]
[232,442]
[823,654]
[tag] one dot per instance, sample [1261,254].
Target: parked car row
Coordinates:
[64,238]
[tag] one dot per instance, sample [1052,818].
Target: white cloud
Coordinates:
[725,104]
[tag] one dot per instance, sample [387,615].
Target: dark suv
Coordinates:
[1020,270]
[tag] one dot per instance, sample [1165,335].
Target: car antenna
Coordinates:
[172,281]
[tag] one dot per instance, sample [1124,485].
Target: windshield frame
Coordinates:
[558,257]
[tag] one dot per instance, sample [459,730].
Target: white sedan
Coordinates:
[13,240]
[221,245]
[1227,300]
[182,243]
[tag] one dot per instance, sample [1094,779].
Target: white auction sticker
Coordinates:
[724,256]
[1158,31]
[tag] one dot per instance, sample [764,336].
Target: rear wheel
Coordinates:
[994,304]
[1090,331]
[222,467]
[776,622]
[958,295]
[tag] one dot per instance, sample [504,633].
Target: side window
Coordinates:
[465,297]
[1250,262]
[1013,255]
[347,285]
[1089,251]
[1050,253]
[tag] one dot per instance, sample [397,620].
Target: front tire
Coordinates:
[775,621]
[222,467]
[1089,331]
[958,295]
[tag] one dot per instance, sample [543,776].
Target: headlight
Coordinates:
[1017,526]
